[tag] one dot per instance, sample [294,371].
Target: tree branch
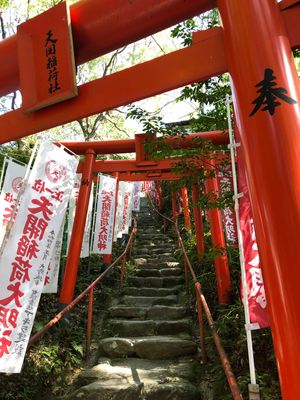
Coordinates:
[3,32]
[116,126]
[112,60]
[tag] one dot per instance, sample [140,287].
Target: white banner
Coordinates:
[127,207]
[105,215]
[27,253]
[11,186]
[136,195]
[51,280]
[119,212]
[85,249]
[72,206]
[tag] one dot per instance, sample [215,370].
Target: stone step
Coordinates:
[152,245]
[159,282]
[155,313]
[151,347]
[163,257]
[145,301]
[148,263]
[146,242]
[128,312]
[155,258]
[128,328]
[151,229]
[114,389]
[171,380]
[144,272]
[146,291]
[159,312]
[151,236]
[154,249]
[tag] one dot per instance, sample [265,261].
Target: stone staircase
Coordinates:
[148,353]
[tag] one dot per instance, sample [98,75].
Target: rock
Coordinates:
[163,347]
[140,261]
[171,271]
[181,390]
[127,312]
[149,301]
[132,328]
[110,390]
[151,292]
[117,347]
[166,312]
[147,272]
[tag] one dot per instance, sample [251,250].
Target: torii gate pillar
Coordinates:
[199,232]
[186,210]
[259,58]
[71,269]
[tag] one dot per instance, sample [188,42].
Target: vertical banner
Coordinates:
[72,206]
[11,186]
[27,253]
[127,207]
[72,209]
[225,184]
[119,212]
[136,196]
[51,280]
[255,285]
[85,249]
[105,215]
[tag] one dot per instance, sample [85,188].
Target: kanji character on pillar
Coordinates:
[269,94]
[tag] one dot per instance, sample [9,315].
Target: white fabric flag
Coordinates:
[105,215]
[85,249]
[136,195]
[51,280]
[11,186]
[127,207]
[27,253]
[72,206]
[119,212]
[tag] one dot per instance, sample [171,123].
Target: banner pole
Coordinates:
[2,172]
[94,214]
[241,252]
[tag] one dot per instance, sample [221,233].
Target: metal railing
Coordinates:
[202,305]
[90,292]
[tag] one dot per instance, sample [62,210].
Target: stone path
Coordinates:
[148,353]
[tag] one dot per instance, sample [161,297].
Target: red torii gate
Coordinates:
[142,167]
[255,41]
